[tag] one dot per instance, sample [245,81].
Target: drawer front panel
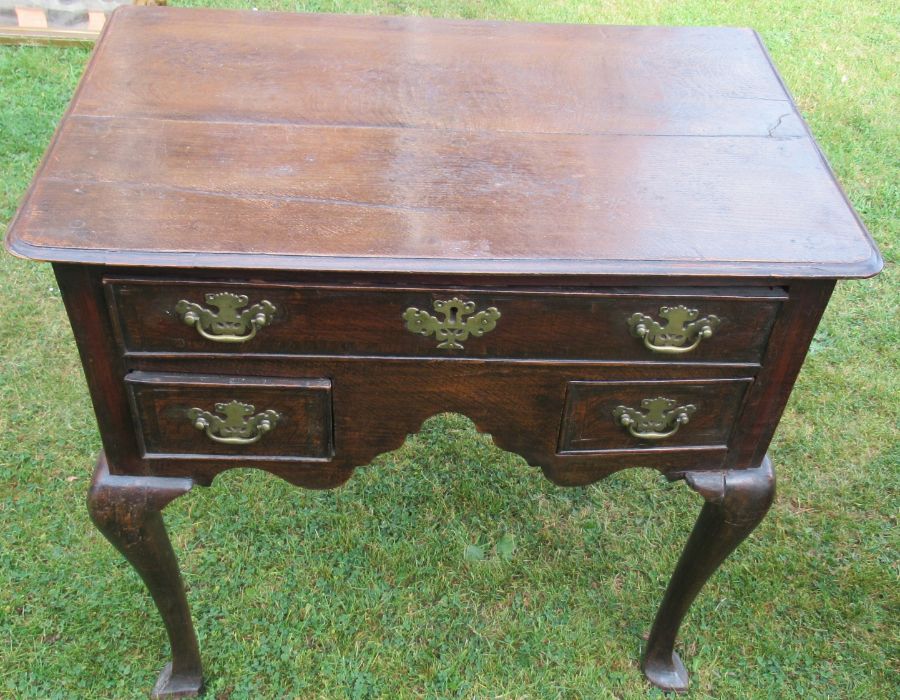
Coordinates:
[609,416]
[201,317]
[203,415]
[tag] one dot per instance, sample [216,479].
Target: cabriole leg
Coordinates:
[736,502]
[127,510]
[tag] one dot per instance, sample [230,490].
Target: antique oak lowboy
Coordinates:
[284,241]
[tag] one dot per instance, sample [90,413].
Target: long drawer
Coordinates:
[648,324]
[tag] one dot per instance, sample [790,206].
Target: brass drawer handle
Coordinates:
[226,324]
[239,426]
[661,418]
[454,327]
[681,333]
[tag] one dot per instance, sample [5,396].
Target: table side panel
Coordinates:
[788,344]
[104,367]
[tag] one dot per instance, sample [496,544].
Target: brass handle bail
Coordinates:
[660,418]
[237,424]
[681,333]
[228,323]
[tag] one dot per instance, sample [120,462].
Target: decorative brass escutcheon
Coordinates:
[237,424]
[226,324]
[681,333]
[659,419]
[454,327]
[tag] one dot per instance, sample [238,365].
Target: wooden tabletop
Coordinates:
[294,141]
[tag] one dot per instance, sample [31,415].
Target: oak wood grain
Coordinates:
[162,403]
[367,320]
[305,142]
[435,74]
[378,402]
[589,423]
[345,169]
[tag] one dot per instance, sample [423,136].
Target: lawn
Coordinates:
[367,591]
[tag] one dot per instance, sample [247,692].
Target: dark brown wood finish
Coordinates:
[163,406]
[736,502]
[345,169]
[589,423]
[791,337]
[405,144]
[324,320]
[103,365]
[127,510]
[521,405]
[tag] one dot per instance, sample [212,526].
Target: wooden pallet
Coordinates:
[57,21]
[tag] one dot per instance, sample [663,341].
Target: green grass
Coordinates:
[365,592]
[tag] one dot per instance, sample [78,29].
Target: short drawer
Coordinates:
[603,416]
[671,325]
[180,415]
